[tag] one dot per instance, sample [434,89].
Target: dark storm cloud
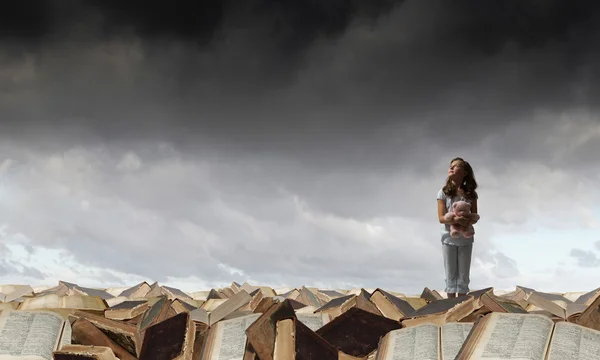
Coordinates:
[290,26]
[302,74]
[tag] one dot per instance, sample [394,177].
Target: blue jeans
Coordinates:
[457,262]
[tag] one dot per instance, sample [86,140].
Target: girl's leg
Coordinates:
[464,268]
[450,254]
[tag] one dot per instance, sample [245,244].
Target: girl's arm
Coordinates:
[474,220]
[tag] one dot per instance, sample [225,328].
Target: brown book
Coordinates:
[295,304]
[156,290]
[214,294]
[199,341]
[33,332]
[59,290]
[430,295]
[174,293]
[591,316]
[555,306]
[331,294]
[314,321]
[338,306]
[308,298]
[262,333]
[126,310]
[589,297]
[79,290]
[363,302]
[336,303]
[415,302]
[121,333]
[170,339]
[52,301]
[391,306]
[519,294]
[180,305]
[441,311]
[85,333]
[212,304]
[296,341]
[255,301]
[227,338]
[292,294]
[479,293]
[425,341]
[199,316]
[267,291]
[159,311]
[135,320]
[528,336]
[230,305]
[235,286]
[227,292]
[498,304]
[249,353]
[84,352]
[136,291]
[263,305]
[357,332]
[491,303]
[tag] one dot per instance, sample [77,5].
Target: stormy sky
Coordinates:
[293,143]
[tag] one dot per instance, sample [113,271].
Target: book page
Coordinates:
[575,309]
[419,342]
[313,321]
[83,302]
[13,292]
[574,342]
[67,335]
[29,333]
[50,301]
[515,336]
[453,335]
[199,315]
[230,342]
[544,303]
[230,305]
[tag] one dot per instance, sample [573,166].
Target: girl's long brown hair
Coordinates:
[468,185]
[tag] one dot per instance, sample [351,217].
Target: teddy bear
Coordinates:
[463,209]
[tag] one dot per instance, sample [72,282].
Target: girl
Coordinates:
[460,185]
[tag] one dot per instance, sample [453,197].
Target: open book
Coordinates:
[499,336]
[10,293]
[32,335]
[424,342]
[227,338]
[559,306]
[53,301]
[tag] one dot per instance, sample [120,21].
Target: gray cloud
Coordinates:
[585,258]
[199,146]
[10,267]
[507,268]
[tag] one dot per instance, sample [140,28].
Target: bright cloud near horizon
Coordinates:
[297,143]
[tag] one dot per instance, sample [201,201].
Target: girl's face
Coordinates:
[457,171]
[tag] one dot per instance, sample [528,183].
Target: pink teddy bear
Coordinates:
[463,209]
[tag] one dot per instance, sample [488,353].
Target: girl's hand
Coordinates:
[462,220]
